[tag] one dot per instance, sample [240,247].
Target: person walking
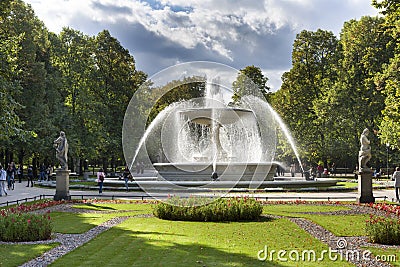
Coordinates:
[49,172]
[127,176]
[42,174]
[20,172]
[100,179]
[10,176]
[30,175]
[396,178]
[3,177]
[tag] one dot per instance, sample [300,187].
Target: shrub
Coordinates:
[18,227]
[383,230]
[205,209]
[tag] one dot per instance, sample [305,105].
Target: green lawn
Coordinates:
[353,184]
[15,255]
[150,241]
[339,225]
[155,242]
[342,225]
[297,210]
[77,223]
[139,208]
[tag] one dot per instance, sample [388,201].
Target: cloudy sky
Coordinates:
[238,33]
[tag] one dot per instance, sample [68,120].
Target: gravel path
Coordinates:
[70,242]
[349,248]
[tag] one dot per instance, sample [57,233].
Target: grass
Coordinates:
[16,255]
[137,207]
[77,223]
[155,242]
[339,225]
[297,210]
[342,225]
[354,185]
[391,256]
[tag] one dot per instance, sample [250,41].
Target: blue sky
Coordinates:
[238,33]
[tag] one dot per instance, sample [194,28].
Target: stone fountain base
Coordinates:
[229,171]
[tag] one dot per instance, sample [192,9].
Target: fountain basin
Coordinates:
[223,116]
[227,171]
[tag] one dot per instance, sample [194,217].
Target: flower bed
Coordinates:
[390,208]
[383,230]
[18,227]
[205,209]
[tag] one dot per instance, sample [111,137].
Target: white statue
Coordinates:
[61,146]
[365,151]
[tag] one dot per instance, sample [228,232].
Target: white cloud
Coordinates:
[235,31]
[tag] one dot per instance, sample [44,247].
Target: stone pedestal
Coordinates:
[62,185]
[365,194]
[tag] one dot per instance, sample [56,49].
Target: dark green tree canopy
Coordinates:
[250,80]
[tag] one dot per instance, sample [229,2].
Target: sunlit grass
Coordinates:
[155,242]
[297,210]
[18,254]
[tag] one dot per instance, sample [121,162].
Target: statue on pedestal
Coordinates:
[61,146]
[364,155]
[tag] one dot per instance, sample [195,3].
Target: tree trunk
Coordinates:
[105,165]
[21,155]
[34,165]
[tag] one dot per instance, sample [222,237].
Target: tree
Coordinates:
[117,80]
[314,59]
[73,57]
[249,81]
[9,88]
[387,80]
[354,100]
[29,77]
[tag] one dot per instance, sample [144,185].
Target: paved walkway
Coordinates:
[22,192]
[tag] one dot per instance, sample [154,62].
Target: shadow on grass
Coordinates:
[75,223]
[98,207]
[153,233]
[121,247]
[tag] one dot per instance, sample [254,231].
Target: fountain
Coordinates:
[215,141]
[207,142]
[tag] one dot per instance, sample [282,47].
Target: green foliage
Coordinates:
[383,230]
[250,81]
[17,227]
[175,91]
[315,57]
[199,209]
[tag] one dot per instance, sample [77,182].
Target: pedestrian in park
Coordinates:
[333,169]
[100,179]
[20,173]
[10,176]
[127,175]
[141,167]
[30,176]
[292,169]
[137,167]
[396,178]
[3,177]
[42,172]
[320,170]
[49,172]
